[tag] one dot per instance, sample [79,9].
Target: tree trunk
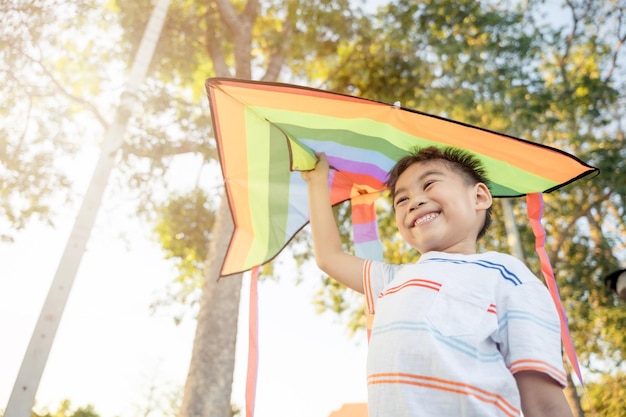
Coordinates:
[210,378]
[513,239]
[572,397]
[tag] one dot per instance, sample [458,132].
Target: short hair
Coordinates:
[463,162]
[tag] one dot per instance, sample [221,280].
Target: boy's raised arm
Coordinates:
[329,254]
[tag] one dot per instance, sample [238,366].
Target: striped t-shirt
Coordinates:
[451,330]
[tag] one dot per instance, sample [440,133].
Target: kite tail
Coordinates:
[367,244]
[253,343]
[535,206]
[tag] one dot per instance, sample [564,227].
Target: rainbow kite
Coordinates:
[267,132]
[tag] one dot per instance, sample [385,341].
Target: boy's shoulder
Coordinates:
[519,270]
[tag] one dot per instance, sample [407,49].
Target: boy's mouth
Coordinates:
[425,218]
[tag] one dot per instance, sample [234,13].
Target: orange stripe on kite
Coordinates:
[230,122]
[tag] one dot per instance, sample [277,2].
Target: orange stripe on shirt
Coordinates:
[449,386]
[369,297]
[367,279]
[538,366]
[414,283]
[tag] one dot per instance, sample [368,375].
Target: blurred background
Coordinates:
[148,329]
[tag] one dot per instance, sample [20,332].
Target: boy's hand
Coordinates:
[319,173]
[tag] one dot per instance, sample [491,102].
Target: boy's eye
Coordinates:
[428,184]
[400,200]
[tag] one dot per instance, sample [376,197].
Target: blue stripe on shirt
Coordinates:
[452,342]
[504,272]
[511,315]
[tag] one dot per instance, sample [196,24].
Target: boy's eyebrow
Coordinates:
[429,173]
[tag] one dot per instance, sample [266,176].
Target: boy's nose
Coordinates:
[416,202]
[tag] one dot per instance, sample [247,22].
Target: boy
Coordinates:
[457,333]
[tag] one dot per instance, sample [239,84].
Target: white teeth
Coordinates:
[426,218]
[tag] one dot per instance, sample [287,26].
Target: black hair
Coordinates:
[465,163]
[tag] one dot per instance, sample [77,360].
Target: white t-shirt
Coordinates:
[451,330]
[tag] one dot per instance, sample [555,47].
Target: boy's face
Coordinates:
[436,210]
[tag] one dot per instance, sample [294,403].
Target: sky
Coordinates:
[112,352]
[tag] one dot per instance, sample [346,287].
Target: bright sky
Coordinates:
[111,352]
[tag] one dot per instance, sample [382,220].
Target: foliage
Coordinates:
[183,227]
[606,395]
[37,113]
[65,409]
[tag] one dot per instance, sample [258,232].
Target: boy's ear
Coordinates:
[483,196]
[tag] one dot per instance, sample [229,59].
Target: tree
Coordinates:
[238,39]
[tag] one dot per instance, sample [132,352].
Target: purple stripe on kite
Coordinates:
[358,167]
[365,232]
[339,152]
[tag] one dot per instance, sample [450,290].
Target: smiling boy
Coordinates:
[458,333]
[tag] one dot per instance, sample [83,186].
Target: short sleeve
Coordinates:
[530,331]
[376,275]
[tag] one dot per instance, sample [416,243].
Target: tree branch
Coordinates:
[228,15]
[88,105]
[240,27]
[564,231]
[214,41]
[277,58]
[618,46]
